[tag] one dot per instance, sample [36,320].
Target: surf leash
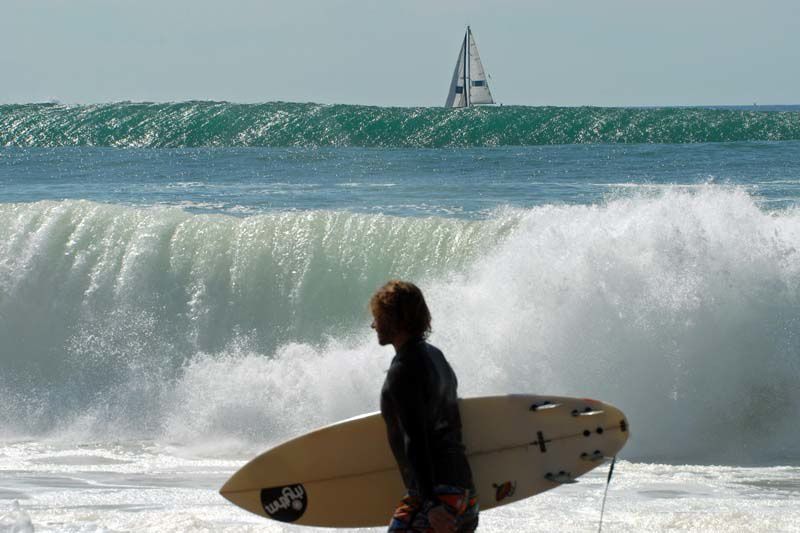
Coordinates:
[605,493]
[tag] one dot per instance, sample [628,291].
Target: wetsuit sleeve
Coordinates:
[405,389]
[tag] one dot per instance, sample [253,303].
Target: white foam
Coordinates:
[147,489]
[680,307]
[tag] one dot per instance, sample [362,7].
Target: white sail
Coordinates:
[468,73]
[479,87]
[455,97]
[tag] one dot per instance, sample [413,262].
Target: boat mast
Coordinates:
[466,66]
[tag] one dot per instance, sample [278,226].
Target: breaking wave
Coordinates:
[678,306]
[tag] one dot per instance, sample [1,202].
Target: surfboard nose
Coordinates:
[233,485]
[224,489]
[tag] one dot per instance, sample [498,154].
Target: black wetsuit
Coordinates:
[420,406]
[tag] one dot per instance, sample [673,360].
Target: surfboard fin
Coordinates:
[588,411]
[594,457]
[561,477]
[547,404]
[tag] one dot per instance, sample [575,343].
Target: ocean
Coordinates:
[184,285]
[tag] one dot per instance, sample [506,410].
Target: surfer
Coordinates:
[419,404]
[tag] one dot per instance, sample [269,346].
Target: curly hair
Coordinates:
[401,304]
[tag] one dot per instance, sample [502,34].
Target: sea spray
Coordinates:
[682,308]
[678,305]
[104,306]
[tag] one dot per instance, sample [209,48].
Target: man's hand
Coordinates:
[441,520]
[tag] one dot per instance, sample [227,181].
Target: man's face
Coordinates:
[383,330]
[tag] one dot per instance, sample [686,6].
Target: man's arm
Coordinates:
[405,388]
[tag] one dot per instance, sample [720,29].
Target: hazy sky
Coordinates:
[400,53]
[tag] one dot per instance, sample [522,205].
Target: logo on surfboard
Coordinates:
[286,504]
[504,490]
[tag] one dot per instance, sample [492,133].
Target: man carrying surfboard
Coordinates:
[419,404]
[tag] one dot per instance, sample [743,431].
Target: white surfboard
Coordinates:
[344,475]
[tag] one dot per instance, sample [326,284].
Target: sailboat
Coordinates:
[468,73]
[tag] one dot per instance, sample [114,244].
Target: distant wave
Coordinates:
[187,124]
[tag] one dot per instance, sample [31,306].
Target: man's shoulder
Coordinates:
[434,353]
[433,349]
[411,359]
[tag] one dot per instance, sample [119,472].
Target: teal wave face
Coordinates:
[190,124]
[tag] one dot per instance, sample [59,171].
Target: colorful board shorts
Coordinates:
[412,513]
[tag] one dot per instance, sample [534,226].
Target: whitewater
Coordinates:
[167,313]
